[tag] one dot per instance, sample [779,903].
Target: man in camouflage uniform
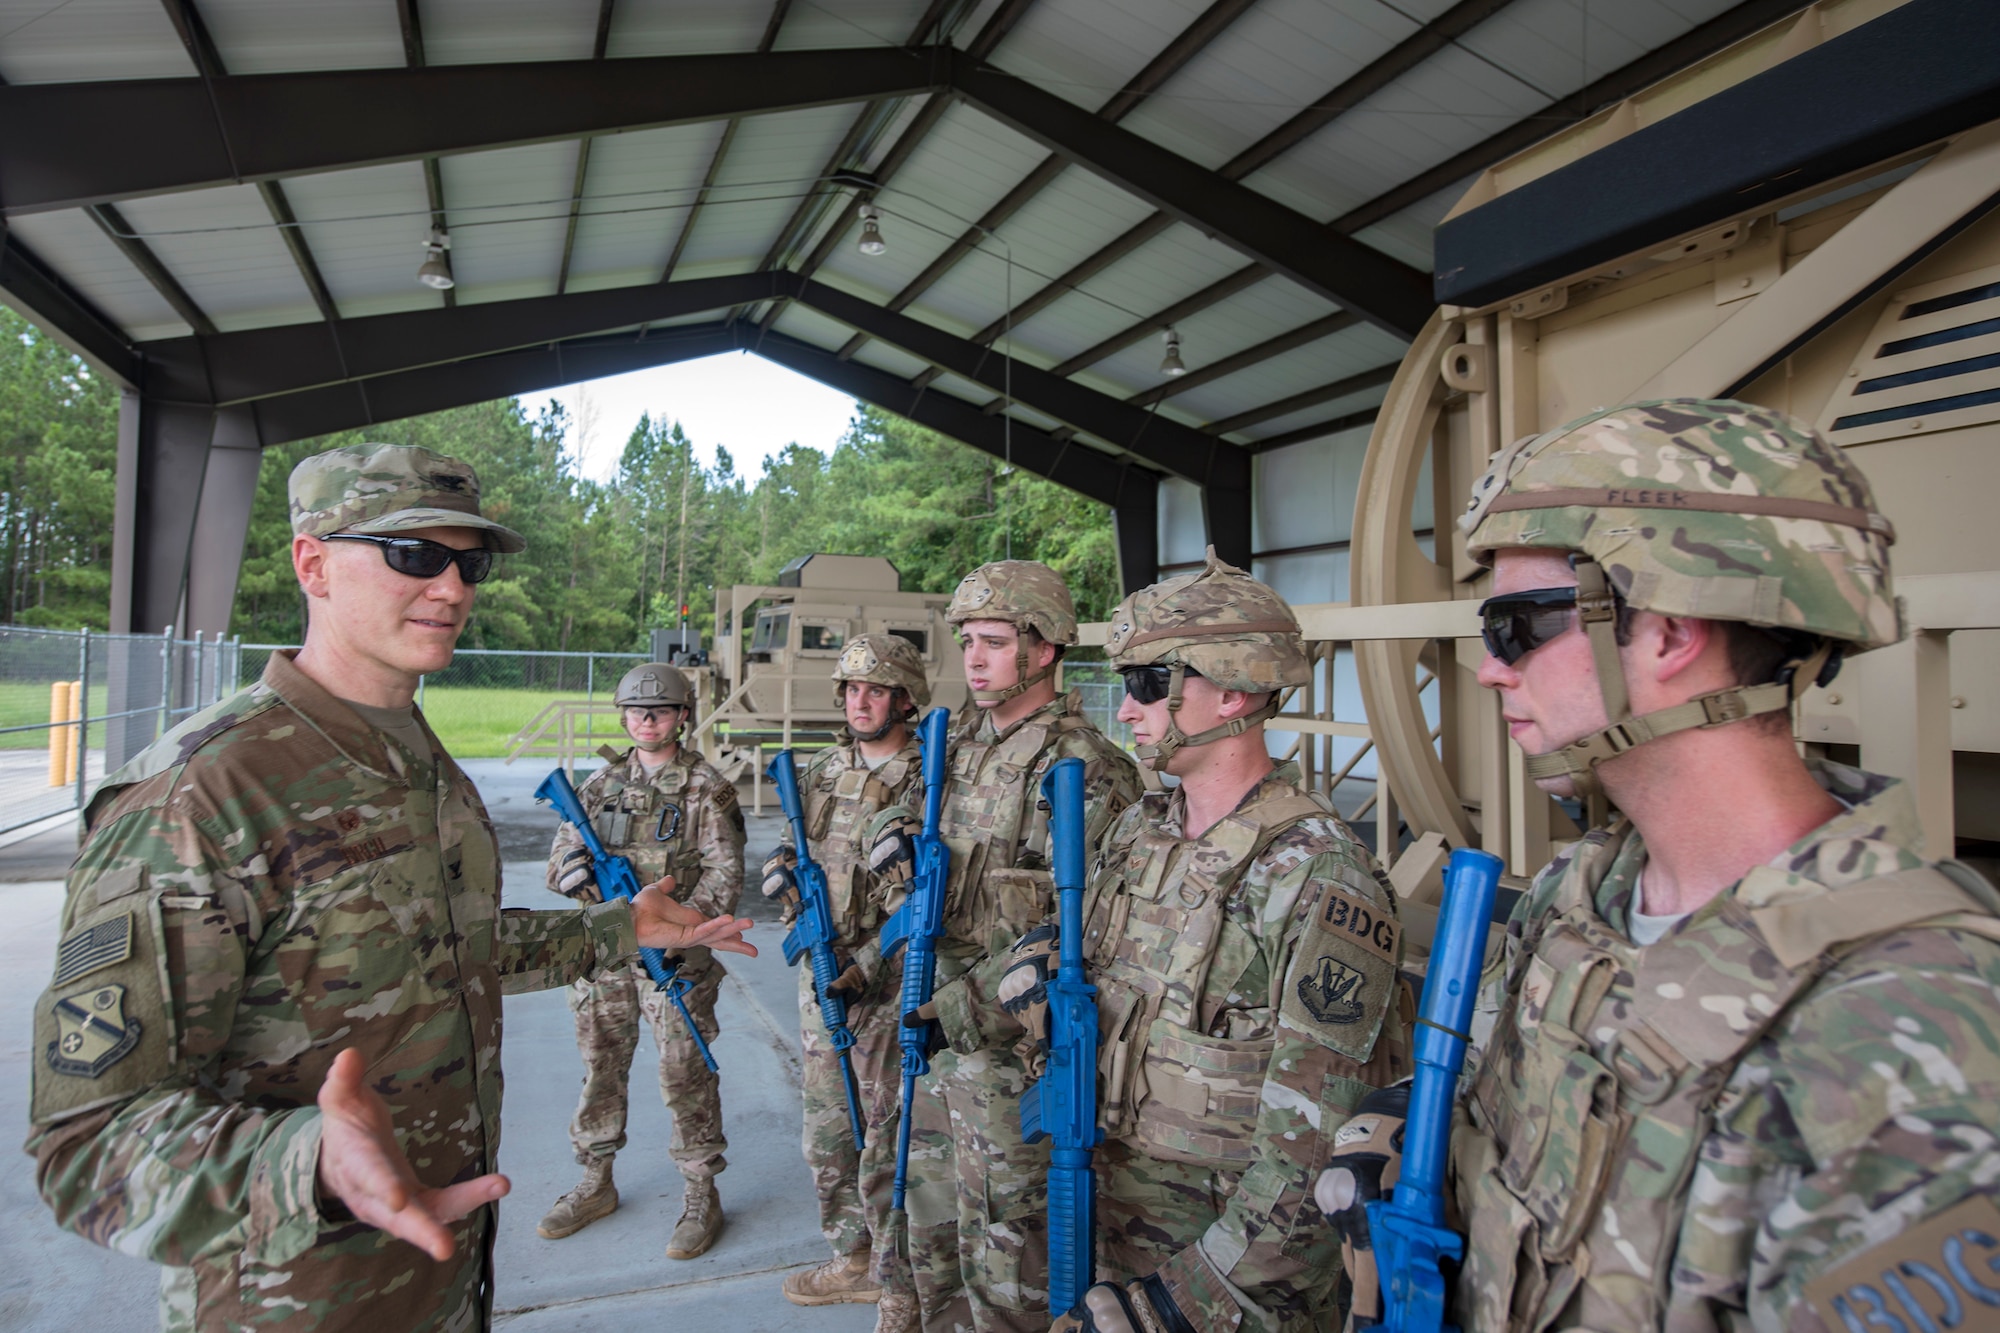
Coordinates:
[1739,1067]
[879,684]
[977,1196]
[668,812]
[1246,951]
[270,1050]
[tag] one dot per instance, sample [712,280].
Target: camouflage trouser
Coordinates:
[607,1033]
[978,1211]
[854,1185]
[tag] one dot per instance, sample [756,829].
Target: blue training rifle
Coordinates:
[1062,1106]
[919,923]
[617,879]
[814,934]
[1408,1231]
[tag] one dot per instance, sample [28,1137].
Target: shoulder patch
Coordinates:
[1343,972]
[88,948]
[92,1031]
[1944,1264]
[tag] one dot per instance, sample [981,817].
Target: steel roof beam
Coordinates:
[1365,417]
[1211,371]
[117,139]
[141,256]
[1325,393]
[603,40]
[39,293]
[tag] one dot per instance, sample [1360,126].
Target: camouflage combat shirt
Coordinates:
[1250,974]
[1839,1103]
[681,819]
[271,883]
[842,794]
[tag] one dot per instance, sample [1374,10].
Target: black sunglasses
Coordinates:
[1150,684]
[422,559]
[1516,623]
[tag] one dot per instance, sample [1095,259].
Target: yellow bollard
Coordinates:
[75,732]
[59,735]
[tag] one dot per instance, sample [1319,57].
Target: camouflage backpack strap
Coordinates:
[1946,895]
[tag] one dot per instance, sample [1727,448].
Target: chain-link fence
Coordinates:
[487,696]
[1102,689]
[75,704]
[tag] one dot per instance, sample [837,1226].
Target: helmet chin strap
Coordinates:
[1597,608]
[1156,754]
[1025,682]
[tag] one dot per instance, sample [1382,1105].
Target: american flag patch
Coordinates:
[93,947]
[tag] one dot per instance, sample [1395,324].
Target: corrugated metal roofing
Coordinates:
[519,222]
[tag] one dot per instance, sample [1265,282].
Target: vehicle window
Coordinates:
[771,632]
[822,638]
[921,638]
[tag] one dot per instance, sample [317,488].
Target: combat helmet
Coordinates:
[1027,595]
[653,685]
[884,659]
[1705,508]
[1218,623]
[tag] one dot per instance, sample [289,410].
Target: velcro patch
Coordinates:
[90,947]
[92,1031]
[1343,974]
[1927,1277]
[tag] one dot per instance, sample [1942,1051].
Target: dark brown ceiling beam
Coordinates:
[721,153]
[412,25]
[1298,402]
[141,257]
[1695,45]
[1249,356]
[1192,40]
[598,47]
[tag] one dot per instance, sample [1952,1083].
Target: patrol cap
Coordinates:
[384,489]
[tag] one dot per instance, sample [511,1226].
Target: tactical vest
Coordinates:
[838,808]
[1152,924]
[998,831]
[1604,1077]
[648,819]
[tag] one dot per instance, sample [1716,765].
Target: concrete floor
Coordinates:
[612,1275]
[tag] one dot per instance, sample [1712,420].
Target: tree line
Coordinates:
[607,561]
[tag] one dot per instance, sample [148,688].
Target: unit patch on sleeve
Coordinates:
[1343,973]
[92,1031]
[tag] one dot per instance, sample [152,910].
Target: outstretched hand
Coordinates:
[361,1164]
[662,923]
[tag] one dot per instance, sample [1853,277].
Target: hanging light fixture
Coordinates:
[871,242]
[436,269]
[1171,364]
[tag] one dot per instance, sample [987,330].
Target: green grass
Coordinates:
[481,723]
[24,704]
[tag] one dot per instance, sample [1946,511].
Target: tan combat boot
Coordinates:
[595,1197]
[896,1312]
[701,1220]
[842,1278]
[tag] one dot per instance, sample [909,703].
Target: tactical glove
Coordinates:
[852,981]
[1024,986]
[1144,1306]
[576,876]
[893,860]
[925,1016]
[1366,1161]
[779,885]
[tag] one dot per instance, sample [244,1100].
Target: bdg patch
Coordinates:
[1343,974]
[1940,1274]
[92,1031]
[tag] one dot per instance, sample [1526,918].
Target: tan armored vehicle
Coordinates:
[1868,305]
[776,647]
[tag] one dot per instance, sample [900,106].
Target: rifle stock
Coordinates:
[1062,1106]
[916,926]
[1410,1238]
[617,879]
[814,934]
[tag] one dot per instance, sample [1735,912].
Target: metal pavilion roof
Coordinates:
[224,201]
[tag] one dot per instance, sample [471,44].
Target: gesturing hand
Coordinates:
[662,923]
[361,1164]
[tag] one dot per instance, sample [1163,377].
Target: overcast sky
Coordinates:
[750,406]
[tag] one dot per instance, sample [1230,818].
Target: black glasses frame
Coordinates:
[1515,624]
[419,558]
[1150,684]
